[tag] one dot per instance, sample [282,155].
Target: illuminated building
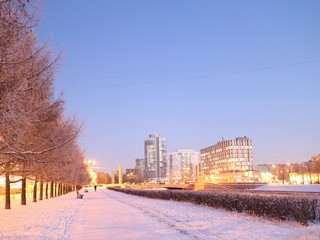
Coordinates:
[155,161]
[226,158]
[182,165]
[130,175]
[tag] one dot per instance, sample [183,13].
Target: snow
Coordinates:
[291,188]
[107,214]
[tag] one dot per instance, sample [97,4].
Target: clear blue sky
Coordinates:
[192,71]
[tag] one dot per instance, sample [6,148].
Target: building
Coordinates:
[131,176]
[140,169]
[227,161]
[182,165]
[261,168]
[315,164]
[155,161]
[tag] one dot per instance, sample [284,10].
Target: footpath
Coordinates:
[106,214]
[99,215]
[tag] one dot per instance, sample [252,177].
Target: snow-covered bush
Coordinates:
[300,208]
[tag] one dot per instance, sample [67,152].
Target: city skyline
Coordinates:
[200,95]
[194,73]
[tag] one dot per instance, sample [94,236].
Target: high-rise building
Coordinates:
[140,169]
[182,165]
[155,161]
[226,157]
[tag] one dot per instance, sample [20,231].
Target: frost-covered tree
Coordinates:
[26,88]
[34,134]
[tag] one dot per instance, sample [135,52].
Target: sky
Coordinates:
[194,72]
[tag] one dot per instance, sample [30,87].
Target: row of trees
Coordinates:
[103,178]
[37,140]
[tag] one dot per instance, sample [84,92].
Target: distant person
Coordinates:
[95,188]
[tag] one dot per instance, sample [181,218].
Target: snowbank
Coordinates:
[291,188]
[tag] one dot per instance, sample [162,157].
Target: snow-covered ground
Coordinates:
[291,188]
[107,214]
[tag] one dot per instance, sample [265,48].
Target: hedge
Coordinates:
[301,208]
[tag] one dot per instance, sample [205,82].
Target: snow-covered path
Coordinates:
[107,214]
[110,215]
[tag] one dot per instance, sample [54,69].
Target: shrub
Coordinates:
[300,208]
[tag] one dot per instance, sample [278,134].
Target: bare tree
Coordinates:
[35,138]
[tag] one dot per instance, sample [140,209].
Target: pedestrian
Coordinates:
[95,188]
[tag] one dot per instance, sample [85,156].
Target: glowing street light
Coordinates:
[92,173]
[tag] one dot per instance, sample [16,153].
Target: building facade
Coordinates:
[315,164]
[155,161]
[182,165]
[226,158]
[131,176]
[140,169]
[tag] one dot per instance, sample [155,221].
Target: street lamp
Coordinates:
[92,173]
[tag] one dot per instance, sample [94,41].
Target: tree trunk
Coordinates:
[51,189]
[8,203]
[23,191]
[35,191]
[41,191]
[59,189]
[47,188]
[55,189]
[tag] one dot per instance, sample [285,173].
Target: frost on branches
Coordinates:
[36,140]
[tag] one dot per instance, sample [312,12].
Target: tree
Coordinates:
[20,72]
[36,140]
[102,178]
